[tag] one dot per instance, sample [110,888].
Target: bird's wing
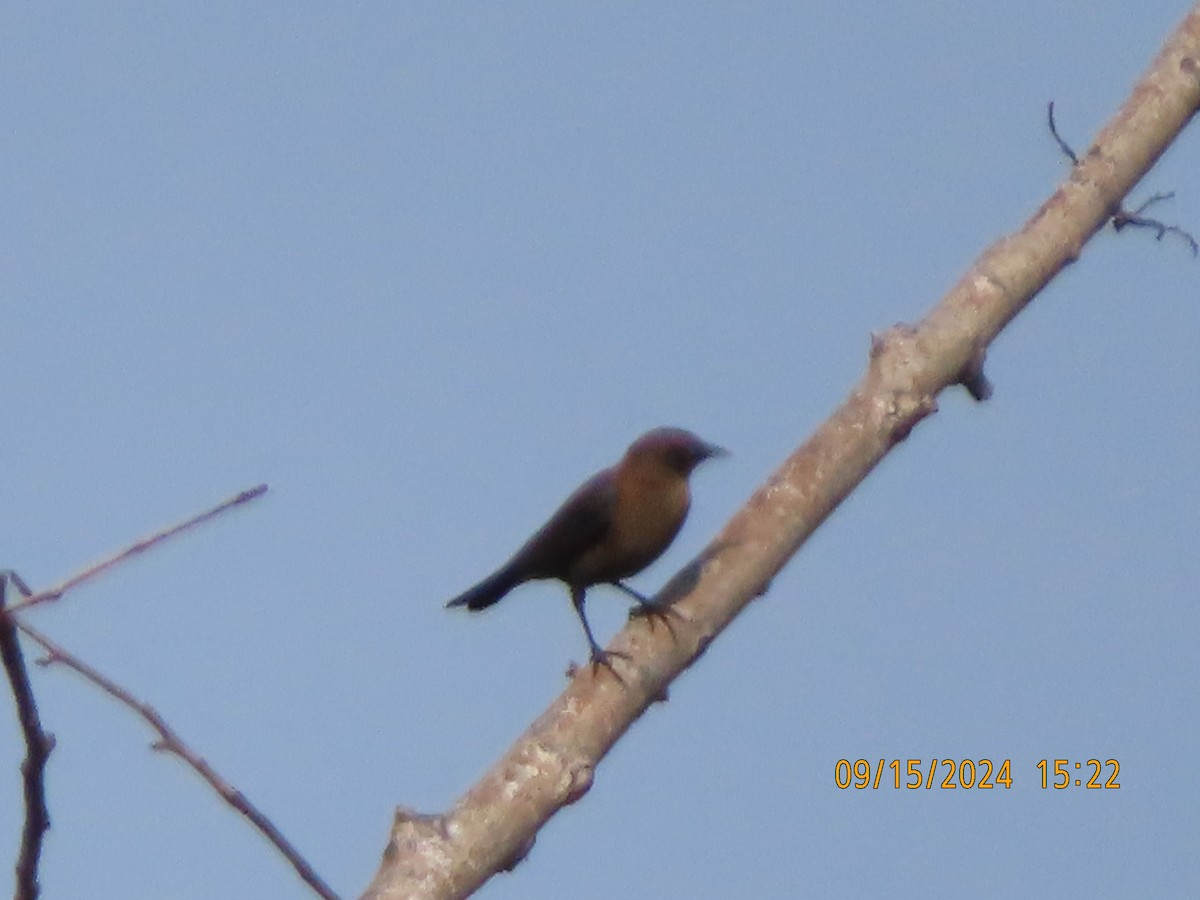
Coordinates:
[578,525]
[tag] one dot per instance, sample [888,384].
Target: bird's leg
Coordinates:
[642,601]
[647,608]
[600,657]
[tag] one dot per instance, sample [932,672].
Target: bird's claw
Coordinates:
[655,612]
[604,659]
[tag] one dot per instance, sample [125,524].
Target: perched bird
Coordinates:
[615,524]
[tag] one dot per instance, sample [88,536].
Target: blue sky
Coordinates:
[423,268]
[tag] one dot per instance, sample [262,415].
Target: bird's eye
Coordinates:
[681,460]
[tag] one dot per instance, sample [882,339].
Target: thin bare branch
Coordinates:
[38,745]
[170,742]
[137,547]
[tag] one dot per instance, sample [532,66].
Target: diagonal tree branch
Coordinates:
[494,824]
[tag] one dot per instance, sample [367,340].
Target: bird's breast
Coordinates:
[648,514]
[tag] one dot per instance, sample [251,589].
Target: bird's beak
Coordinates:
[711,451]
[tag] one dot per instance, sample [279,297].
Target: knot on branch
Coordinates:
[893,376]
[577,780]
[411,829]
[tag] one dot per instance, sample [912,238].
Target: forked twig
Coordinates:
[169,741]
[1135,219]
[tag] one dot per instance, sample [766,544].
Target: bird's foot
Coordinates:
[600,659]
[655,612]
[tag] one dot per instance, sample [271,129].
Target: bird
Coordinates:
[613,526]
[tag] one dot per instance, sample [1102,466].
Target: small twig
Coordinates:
[972,377]
[170,742]
[1157,198]
[1122,217]
[1135,219]
[38,745]
[1062,145]
[145,543]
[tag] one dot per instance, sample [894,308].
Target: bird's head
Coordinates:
[675,448]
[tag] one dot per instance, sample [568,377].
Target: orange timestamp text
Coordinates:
[971,774]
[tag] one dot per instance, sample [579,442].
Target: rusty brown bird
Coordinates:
[615,524]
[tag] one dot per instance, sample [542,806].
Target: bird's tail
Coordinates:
[491,590]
